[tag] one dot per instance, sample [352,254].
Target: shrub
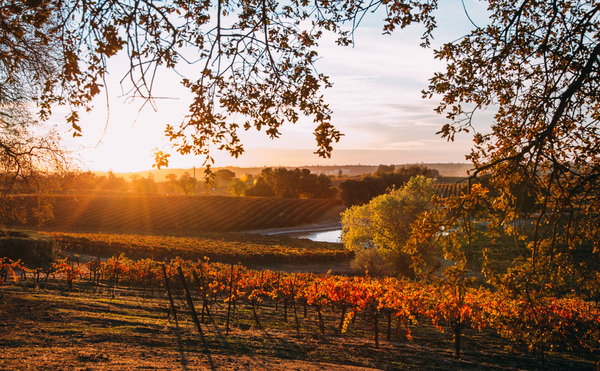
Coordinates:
[34,249]
[369,261]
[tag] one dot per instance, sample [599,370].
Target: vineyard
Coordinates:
[202,306]
[222,247]
[218,300]
[176,215]
[444,190]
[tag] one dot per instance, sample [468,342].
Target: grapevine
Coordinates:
[217,288]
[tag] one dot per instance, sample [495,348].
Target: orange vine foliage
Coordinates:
[548,322]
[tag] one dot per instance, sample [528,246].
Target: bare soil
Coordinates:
[50,330]
[89,329]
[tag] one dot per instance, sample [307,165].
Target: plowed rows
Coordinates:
[180,214]
[449,189]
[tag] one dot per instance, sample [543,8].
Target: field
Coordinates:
[444,190]
[177,215]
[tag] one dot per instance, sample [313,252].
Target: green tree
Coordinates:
[84,182]
[141,185]
[297,183]
[386,224]
[385,169]
[223,177]
[361,191]
[187,183]
[171,183]
[237,187]
[247,178]
[358,192]
[114,183]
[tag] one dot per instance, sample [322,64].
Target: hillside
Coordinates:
[177,215]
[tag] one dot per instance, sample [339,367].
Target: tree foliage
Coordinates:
[141,185]
[113,183]
[537,65]
[386,224]
[27,161]
[223,177]
[237,187]
[186,183]
[254,59]
[361,191]
[297,183]
[29,152]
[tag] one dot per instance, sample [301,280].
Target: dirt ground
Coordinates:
[88,329]
[67,331]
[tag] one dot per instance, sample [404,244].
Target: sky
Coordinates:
[375,98]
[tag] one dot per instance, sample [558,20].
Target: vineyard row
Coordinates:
[242,248]
[542,323]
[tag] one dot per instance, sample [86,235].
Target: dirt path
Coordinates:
[303,229]
[328,222]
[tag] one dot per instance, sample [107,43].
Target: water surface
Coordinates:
[322,236]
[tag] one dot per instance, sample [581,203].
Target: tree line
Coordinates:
[385,178]
[270,182]
[297,183]
[88,182]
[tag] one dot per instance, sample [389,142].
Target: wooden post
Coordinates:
[202,284]
[189,300]
[173,310]
[230,298]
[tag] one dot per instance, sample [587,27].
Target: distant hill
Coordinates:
[445,169]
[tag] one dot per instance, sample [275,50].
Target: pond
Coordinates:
[322,236]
